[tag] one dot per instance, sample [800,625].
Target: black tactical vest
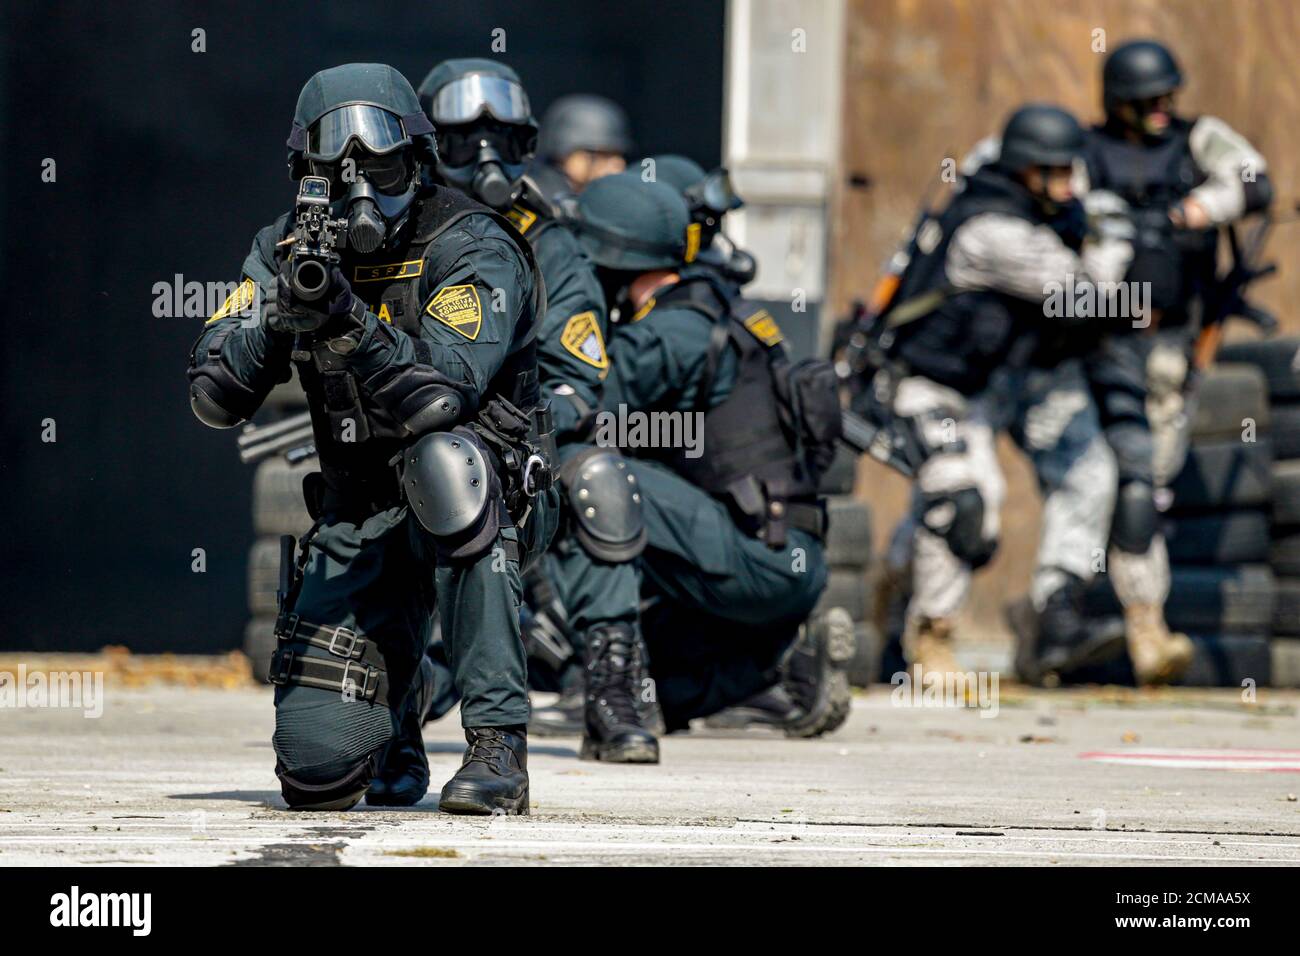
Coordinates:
[750,452]
[1151,177]
[388,282]
[961,337]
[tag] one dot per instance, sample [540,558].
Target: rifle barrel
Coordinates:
[260,450]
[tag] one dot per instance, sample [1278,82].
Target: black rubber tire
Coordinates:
[1284,554]
[1286,612]
[1206,600]
[1286,493]
[1286,430]
[846,588]
[263,575]
[278,506]
[1227,397]
[848,533]
[840,476]
[864,669]
[259,642]
[1276,358]
[1285,652]
[1224,474]
[1229,537]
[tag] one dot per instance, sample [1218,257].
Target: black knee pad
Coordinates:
[958,518]
[453,491]
[1135,522]
[605,504]
[327,747]
[316,791]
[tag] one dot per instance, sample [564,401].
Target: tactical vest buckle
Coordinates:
[281,664]
[343,642]
[368,685]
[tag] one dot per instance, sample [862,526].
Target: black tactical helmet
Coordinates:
[371,106]
[1138,70]
[631,225]
[485,127]
[371,103]
[583,121]
[1040,135]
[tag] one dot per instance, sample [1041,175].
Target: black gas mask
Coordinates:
[485,160]
[486,133]
[372,168]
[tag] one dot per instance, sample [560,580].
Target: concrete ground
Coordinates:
[184,776]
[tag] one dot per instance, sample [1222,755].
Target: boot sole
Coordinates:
[619,753]
[474,806]
[555,729]
[835,696]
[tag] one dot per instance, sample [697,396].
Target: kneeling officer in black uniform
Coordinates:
[589,583]
[416,350]
[734,558]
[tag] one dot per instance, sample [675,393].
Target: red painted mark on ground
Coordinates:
[1274,761]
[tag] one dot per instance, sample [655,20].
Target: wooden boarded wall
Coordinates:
[925,79]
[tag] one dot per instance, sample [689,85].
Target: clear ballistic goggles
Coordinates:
[379,131]
[465,99]
[715,192]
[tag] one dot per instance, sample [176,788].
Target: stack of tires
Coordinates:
[1216,526]
[848,555]
[278,509]
[1278,361]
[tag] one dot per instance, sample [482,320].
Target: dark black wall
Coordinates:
[167,162]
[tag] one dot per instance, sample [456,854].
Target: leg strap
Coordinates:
[354,666]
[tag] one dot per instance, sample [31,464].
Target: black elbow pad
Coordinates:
[208,410]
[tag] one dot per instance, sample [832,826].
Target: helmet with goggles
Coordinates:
[485,126]
[361,127]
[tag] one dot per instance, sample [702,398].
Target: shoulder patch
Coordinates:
[237,302]
[393,270]
[458,308]
[764,328]
[521,217]
[692,241]
[645,310]
[581,338]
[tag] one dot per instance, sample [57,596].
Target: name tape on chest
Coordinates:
[410,269]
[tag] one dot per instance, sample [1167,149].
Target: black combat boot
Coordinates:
[615,724]
[493,778]
[768,708]
[403,777]
[563,718]
[814,674]
[1055,642]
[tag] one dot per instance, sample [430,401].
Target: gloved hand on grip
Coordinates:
[286,312]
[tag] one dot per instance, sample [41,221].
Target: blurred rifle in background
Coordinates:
[291,437]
